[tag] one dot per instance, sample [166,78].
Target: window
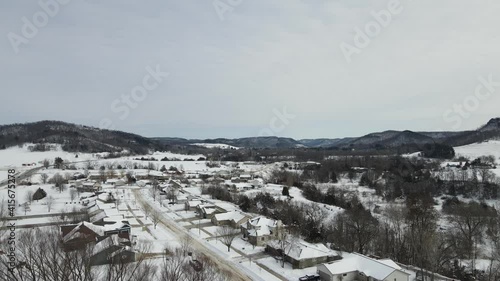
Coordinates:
[345,274]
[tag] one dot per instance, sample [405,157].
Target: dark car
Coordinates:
[309,278]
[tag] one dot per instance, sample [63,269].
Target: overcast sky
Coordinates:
[234,66]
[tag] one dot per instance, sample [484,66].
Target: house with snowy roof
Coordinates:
[191,205]
[301,254]
[76,236]
[207,211]
[89,186]
[259,230]
[234,219]
[353,267]
[116,182]
[112,250]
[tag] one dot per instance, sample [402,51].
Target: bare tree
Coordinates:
[155,184]
[102,175]
[111,173]
[285,243]
[3,217]
[46,163]
[140,270]
[173,266]
[68,176]
[26,208]
[58,181]
[355,229]
[206,269]
[73,193]
[153,192]
[155,217]
[227,235]
[44,177]
[147,210]
[29,196]
[186,244]
[172,194]
[470,221]
[40,256]
[314,216]
[50,201]
[151,166]
[486,175]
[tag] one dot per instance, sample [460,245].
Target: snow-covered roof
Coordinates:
[233,216]
[304,250]
[115,181]
[193,203]
[116,225]
[261,226]
[258,180]
[378,269]
[105,243]
[207,208]
[75,232]
[98,216]
[156,173]
[90,183]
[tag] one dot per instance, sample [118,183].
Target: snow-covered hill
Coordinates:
[473,151]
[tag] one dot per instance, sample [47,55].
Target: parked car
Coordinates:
[309,278]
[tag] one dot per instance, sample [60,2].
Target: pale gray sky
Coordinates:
[231,69]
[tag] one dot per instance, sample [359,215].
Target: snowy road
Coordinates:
[180,232]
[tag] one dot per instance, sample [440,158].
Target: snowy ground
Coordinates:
[17,156]
[473,151]
[216,145]
[61,201]
[161,237]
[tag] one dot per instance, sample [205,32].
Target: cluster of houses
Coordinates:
[107,233]
[331,265]
[110,243]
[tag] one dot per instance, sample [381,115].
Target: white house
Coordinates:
[116,182]
[260,230]
[302,254]
[233,218]
[354,267]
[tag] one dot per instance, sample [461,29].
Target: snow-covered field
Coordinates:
[61,201]
[17,156]
[216,145]
[473,151]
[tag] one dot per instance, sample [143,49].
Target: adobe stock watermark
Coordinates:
[364,36]
[124,105]
[40,19]
[484,89]
[225,6]
[277,123]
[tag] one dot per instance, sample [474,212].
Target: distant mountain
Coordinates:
[492,125]
[250,142]
[88,139]
[75,138]
[390,140]
[325,142]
